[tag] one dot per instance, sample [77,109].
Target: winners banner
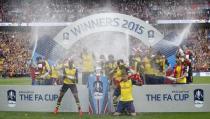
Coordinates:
[147,98]
[108,22]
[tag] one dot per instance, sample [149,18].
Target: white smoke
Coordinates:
[105,43]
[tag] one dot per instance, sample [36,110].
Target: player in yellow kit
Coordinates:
[117,72]
[69,81]
[1,65]
[124,90]
[42,74]
[180,72]
[54,74]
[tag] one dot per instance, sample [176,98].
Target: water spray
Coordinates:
[183,35]
[35,45]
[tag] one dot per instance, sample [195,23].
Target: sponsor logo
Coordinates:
[65,36]
[11,98]
[98,89]
[175,95]
[198,98]
[151,34]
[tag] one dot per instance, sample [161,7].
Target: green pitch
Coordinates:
[201,80]
[27,81]
[15,81]
[43,115]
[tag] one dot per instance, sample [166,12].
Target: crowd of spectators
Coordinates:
[15,53]
[198,42]
[70,10]
[14,46]
[15,50]
[197,39]
[46,11]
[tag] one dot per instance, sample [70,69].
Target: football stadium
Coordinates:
[107,59]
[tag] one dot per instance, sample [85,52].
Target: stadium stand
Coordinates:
[15,49]
[15,52]
[70,10]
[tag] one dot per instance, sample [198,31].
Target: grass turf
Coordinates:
[201,80]
[66,115]
[16,81]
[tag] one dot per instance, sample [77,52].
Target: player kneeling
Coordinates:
[124,90]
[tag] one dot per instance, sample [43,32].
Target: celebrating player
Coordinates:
[70,77]
[180,72]
[42,73]
[124,90]
[117,72]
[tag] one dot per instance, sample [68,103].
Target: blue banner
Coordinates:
[98,89]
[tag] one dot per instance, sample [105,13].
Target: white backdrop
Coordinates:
[147,98]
